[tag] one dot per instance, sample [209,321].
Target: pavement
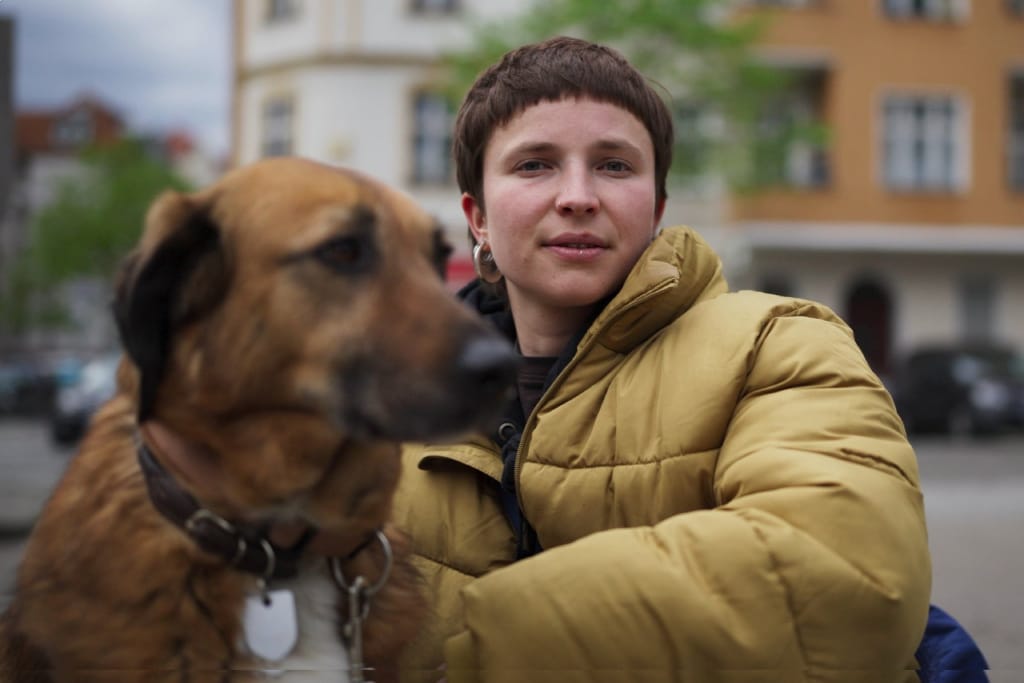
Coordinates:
[29,467]
[974,502]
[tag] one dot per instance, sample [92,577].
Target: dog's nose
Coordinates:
[487,363]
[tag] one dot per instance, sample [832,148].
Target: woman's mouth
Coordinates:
[576,247]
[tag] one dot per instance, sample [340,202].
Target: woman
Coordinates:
[690,484]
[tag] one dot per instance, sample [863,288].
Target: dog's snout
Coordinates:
[487,363]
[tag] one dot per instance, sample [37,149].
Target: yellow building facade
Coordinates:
[909,220]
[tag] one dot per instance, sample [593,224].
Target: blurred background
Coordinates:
[868,154]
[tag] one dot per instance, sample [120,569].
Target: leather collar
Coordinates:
[243,547]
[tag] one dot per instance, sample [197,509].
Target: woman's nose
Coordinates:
[577,196]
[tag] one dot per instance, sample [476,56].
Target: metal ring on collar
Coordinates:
[271,559]
[202,513]
[389,561]
[192,524]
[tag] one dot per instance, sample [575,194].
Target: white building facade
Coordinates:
[354,83]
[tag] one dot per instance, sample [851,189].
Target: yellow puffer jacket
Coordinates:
[722,489]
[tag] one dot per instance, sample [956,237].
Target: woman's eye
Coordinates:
[616,166]
[531,166]
[345,254]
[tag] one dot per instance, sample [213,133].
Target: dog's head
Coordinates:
[290,317]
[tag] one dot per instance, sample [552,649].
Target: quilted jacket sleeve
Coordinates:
[813,566]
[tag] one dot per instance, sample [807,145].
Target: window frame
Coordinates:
[435,7]
[926,10]
[916,162]
[793,120]
[75,129]
[269,129]
[1015,132]
[429,141]
[280,11]
[978,296]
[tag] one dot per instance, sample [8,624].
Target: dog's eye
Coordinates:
[345,254]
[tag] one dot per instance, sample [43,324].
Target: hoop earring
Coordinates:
[484,265]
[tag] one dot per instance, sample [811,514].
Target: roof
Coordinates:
[84,121]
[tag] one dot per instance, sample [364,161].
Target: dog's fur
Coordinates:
[289,323]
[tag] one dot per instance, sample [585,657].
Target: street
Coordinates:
[974,496]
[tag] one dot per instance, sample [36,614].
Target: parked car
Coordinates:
[81,396]
[11,380]
[961,389]
[26,387]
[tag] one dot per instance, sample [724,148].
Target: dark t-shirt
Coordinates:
[533,374]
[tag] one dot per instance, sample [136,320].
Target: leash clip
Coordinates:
[360,592]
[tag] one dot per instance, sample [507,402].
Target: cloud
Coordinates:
[162,63]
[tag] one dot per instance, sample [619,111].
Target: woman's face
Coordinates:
[569,191]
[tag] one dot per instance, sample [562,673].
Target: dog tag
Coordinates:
[270,624]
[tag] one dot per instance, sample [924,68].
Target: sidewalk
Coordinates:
[29,468]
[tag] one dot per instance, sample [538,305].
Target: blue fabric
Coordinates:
[947,653]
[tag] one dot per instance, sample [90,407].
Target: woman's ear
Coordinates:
[659,211]
[475,218]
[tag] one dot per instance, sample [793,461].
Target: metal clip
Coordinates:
[359,594]
[358,608]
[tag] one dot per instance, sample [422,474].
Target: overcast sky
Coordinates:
[162,63]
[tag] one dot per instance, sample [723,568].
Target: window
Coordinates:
[977,308]
[435,6]
[927,9]
[281,10]
[432,139]
[924,143]
[790,145]
[73,130]
[278,123]
[694,136]
[1015,151]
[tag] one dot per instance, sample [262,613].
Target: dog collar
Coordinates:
[243,547]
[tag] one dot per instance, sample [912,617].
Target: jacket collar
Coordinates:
[677,270]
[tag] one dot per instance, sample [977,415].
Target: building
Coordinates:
[46,145]
[355,83]
[909,221]
[6,130]
[45,155]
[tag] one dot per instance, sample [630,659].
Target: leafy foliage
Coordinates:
[94,219]
[697,52]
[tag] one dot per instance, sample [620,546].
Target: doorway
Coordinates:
[869,313]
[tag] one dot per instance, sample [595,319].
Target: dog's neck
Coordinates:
[243,546]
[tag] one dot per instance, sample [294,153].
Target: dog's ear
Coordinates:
[177,273]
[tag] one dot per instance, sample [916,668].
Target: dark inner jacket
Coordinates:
[509,428]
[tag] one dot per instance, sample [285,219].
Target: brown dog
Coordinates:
[289,325]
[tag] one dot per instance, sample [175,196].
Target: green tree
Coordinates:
[698,52]
[94,220]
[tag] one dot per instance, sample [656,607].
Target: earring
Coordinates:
[484,265]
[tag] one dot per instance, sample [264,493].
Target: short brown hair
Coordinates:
[553,70]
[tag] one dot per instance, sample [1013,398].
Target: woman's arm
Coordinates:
[813,565]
